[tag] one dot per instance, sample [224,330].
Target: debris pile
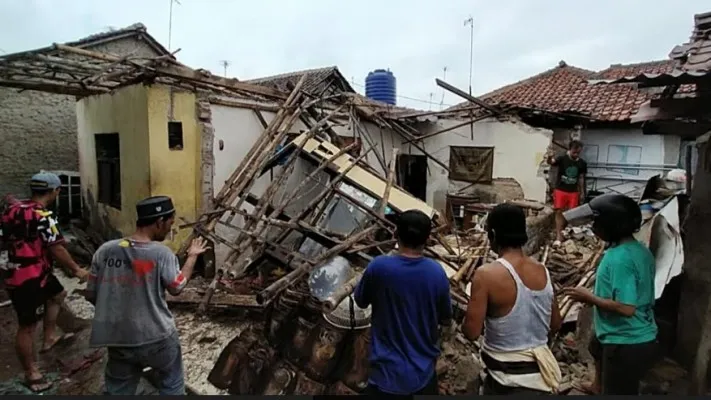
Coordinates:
[82,242]
[291,252]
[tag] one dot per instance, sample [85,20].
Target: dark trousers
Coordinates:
[432,388]
[125,365]
[623,366]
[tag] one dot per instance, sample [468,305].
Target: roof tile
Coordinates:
[317,81]
[565,89]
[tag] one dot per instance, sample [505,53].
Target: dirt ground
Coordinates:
[78,369]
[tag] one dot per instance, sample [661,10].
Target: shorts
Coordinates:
[563,200]
[30,298]
[622,366]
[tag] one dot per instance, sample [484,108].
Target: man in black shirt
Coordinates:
[570,184]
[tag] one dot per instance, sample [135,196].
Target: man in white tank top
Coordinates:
[513,303]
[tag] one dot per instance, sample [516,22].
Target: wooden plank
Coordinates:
[194,296]
[372,184]
[468,97]
[182,72]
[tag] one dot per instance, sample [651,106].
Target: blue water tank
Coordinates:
[381,85]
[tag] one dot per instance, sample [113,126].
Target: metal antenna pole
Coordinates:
[470,21]
[170,22]
[444,78]
[225,64]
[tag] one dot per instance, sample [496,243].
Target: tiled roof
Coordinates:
[696,54]
[565,89]
[138,30]
[317,81]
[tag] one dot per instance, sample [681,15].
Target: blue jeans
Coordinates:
[125,367]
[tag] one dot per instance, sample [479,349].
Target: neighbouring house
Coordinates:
[620,157]
[325,81]
[681,109]
[38,128]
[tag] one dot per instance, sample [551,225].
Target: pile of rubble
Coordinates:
[289,252]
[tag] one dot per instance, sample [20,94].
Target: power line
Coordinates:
[409,98]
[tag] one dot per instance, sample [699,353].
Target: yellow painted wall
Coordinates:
[124,112]
[174,173]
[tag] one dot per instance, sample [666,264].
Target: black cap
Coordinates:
[154,207]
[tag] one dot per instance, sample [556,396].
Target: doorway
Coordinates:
[412,174]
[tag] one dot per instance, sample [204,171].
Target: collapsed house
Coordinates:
[38,129]
[297,190]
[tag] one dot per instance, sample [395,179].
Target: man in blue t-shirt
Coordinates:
[409,295]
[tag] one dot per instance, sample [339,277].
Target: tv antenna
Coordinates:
[170,21]
[444,78]
[225,64]
[470,21]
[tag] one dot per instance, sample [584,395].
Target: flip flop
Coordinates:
[39,385]
[66,338]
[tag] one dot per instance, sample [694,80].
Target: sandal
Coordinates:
[66,338]
[39,385]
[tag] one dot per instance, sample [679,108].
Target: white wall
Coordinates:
[606,146]
[518,151]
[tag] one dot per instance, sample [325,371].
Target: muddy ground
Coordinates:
[78,369]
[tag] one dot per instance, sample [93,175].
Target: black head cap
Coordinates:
[154,207]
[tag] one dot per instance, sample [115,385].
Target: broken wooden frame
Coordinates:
[277,229]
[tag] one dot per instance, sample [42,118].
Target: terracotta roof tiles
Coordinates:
[565,89]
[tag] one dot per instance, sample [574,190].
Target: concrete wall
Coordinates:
[124,112]
[140,115]
[174,173]
[39,130]
[602,147]
[694,324]
[518,152]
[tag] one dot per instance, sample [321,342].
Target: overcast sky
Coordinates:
[416,39]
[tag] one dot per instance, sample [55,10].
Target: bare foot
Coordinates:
[587,388]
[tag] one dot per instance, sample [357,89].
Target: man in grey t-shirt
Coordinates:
[127,285]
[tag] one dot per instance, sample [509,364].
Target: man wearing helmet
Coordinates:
[625,342]
[569,184]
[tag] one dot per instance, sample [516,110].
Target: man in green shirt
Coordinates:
[625,345]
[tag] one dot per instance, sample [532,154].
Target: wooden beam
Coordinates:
[468,97]
[451,128]
[193,296]
[58,88]
[181,72]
